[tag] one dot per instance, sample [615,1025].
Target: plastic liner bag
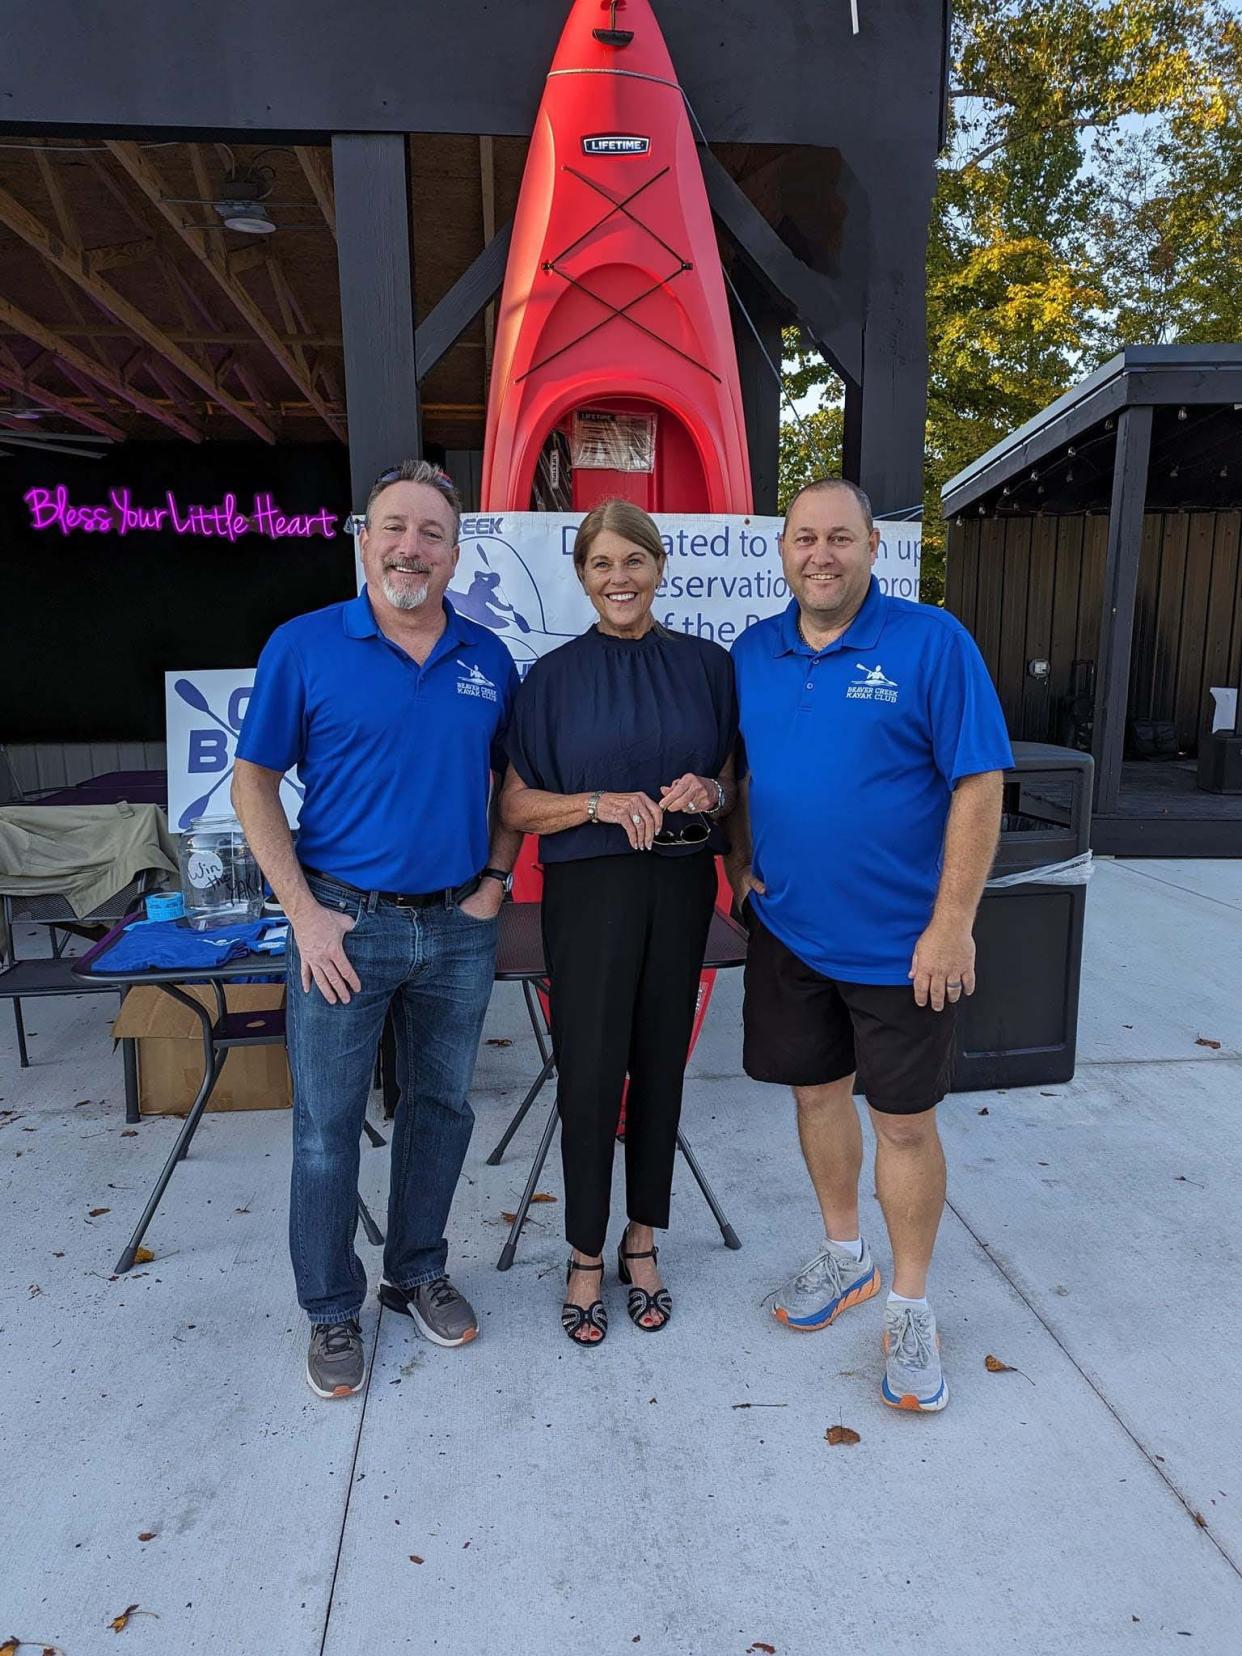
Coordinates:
[604,441]
[1075,871]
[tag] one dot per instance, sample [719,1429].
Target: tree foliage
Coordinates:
[1090,197]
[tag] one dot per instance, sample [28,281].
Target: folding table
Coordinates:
[221,1033]
[520,959]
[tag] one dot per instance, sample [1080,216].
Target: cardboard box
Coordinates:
[169,1044]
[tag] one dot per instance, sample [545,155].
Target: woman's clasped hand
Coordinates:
[642,817]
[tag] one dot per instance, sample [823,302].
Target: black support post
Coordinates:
[759,361]
[1125,539]
[375,258]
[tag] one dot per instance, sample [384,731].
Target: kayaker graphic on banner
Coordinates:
[515,575]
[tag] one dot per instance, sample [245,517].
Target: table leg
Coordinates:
[494,1159]
[726,1229]
[23,1057]
[211,1069]
[519,1218]
[129,1059]
[375,1235]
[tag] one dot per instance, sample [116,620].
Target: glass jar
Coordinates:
[220,879]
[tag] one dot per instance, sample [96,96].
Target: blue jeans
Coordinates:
[435,967]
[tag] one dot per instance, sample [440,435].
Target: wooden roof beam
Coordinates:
[318,174]
[98,372]
[72,263]
[136,165]
[18,381]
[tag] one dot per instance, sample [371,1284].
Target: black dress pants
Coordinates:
[624,938]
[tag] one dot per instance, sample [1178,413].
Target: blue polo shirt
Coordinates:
[853,755]
[396,759]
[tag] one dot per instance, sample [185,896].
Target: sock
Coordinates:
[853,1246]
[899,1299]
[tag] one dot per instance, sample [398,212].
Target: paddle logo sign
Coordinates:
[203,713]
[616,143]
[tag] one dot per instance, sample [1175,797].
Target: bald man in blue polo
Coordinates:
[874,749]
[395,710]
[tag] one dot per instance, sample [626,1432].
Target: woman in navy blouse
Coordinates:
[621,747]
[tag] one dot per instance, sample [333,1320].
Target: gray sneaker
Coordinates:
[439,1312]
[335,1365]
[832,1282]
[913,1377]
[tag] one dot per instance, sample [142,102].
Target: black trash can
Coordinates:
[1020,1027]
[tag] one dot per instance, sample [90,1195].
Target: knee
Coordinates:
[905,1132]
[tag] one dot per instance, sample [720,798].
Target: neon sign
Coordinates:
[52,509]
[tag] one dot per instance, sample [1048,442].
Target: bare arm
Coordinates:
[536,811]
[503,847]
[738,863]
[320,932]
[944,956]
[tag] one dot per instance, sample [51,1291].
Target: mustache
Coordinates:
[414,565]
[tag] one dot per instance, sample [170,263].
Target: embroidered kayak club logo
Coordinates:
[616,143]
[874,685]
[475,682]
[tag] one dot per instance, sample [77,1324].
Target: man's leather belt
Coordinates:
[446,897]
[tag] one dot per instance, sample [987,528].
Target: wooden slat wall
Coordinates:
[40,765]
[1032,588]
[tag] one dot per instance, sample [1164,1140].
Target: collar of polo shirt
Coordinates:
[863,632]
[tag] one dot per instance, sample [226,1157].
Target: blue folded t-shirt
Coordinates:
[169,945]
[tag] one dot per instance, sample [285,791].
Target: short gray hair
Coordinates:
[418,471]
[820,483]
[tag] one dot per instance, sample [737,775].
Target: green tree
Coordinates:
[1090,196]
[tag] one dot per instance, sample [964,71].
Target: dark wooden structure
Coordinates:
[394,135]
[1108,531]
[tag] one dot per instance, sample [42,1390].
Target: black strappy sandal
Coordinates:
[640,1303]
[574,1318]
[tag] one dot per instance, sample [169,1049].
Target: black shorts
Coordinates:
[802,1029]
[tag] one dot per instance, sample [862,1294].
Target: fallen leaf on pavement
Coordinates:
[146,1535]
[118,1624]
[34,1290]
[509,1218]
[834,1435]
[995,1366]
[1202,1040]
[95,1212]
[59,1255]
[143,1256]
[415,1559]
[9,1647]
[542,1196]
[81,1103]
[1200,1520]
[768,1650]
[498,1040]
[130,1132]
[983,1111]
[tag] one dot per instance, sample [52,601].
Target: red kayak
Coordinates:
[614,371]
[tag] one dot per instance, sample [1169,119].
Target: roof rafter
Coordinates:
[16,380]
[101,373]
[73,264]
[137,166]
[318,173]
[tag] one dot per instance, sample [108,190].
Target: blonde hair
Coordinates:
[624,519]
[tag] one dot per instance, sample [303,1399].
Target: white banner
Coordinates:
[203,712]
[516,576]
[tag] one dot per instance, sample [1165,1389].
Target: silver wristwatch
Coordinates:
[593,805]
[715,810]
